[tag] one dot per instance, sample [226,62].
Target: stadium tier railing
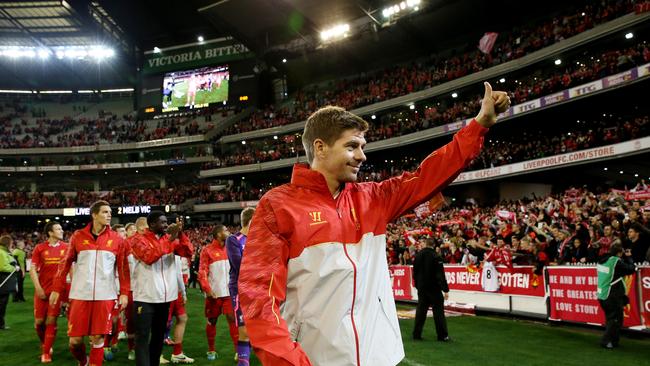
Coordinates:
[105,166]
[106,147]
[606,84]
[578,40]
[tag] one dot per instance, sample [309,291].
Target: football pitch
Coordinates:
[478,340]
[179,97]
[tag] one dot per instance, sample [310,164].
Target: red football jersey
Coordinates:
[45,260]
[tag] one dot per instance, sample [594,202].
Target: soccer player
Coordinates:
[46,258]
[235,247]
[98,252]
[177,310]
[314,282]
[131,230]
[110,340]
[191,91]
[155,282]
[213,277]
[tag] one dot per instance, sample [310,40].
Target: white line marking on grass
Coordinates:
[411,362]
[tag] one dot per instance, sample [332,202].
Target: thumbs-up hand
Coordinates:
[493,103]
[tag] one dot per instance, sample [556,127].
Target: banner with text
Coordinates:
[520,281]
[577,157]
[403,283]
[210,52]
[644,275]
[572,293]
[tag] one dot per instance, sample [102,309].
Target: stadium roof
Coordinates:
[57,24]
[265,25]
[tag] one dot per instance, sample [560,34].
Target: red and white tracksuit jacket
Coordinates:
[95,264]
[155,274]
[314,283]
[214,269]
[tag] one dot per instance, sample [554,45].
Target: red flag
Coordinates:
[427,208]
[507,215]
[487,42]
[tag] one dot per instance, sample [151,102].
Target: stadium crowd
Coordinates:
[593,66]
[404,79]
[575,226]
[500,150]
[349,93]
[67,132]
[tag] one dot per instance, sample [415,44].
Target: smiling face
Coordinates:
[344,157]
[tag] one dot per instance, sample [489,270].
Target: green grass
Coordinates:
[476,340]
[202,96]
[498,341]
[19,346]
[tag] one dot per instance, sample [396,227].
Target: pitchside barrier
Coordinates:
[559,293]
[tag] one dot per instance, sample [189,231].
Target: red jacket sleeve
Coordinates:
[123,268]
[436,171]
[59,284]
[144,250]
[183,246]
[262,288]
[204,268]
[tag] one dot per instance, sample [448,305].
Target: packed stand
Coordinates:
[576,226]
[497,151]
[405,79]
[410,121]
[67,132]
[120,197]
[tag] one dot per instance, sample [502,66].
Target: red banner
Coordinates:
[572,293]
[402,283]
[519,281]
[644,273]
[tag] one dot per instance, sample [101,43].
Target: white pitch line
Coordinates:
[411,362]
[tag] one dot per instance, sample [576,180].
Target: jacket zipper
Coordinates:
[162,273]
[354,296]
[354,287]
[95,274]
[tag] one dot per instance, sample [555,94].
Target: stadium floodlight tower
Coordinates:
[393,12]
[335,33]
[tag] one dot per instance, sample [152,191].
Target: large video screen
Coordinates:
[195,88]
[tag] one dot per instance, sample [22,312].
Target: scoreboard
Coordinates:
[121,210]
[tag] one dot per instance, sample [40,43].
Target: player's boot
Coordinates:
[181,359]
[212,355]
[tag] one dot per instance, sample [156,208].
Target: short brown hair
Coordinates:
[49,226]
[95,207]
[6,240]
[247,216]
[327,124]
[118,226]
